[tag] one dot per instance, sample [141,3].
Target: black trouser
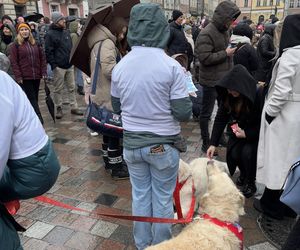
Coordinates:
[271,204]
[243,154]
[293,240]
[31,89]
[208,103]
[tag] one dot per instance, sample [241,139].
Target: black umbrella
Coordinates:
[33,17]
[49,102]
[80,55]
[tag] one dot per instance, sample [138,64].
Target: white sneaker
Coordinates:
[92,133]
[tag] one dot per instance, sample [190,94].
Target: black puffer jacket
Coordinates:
[58,47]
[211,44]
[266,52]
[246,56]
[177,42]
[240,80]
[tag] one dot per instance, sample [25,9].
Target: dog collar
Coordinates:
[233,227]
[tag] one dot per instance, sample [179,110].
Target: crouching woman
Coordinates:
[241,107]
[28,164]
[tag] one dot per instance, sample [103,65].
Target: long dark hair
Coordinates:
[237,105]
[116,26]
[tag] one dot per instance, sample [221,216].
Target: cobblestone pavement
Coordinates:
[84,183]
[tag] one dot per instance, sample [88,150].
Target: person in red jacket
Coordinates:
[28,64]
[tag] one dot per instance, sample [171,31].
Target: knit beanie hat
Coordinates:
[56,17]
[176,14]
[23,25]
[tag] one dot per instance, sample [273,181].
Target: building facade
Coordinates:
[262,9]
[66,7]
[293,7]
[17,7]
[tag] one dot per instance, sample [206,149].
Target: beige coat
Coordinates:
[108,56]
[279,142]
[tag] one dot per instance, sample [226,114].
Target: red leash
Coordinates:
[188,218]
[176,196]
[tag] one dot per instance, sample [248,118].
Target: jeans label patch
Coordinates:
[157,149]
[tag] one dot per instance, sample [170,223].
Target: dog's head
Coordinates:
[223,200]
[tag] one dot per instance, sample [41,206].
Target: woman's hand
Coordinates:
[20,81]
[240,133]
[210,152]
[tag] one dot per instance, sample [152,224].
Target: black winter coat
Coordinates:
[266,52]
[211,44]
[241,81]
[246,55]
[177,42]
[58,46]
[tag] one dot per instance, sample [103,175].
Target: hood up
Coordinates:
[240,80]
[148,26]
[290,36]
[225,12]
[99,33]
[73,26]
[269,29]
[11,28]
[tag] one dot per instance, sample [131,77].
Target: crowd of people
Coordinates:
[250,72]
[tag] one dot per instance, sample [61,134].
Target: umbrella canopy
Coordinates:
[49,102]
[32,17]
[80,55]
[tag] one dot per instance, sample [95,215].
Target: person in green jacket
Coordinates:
[7,36]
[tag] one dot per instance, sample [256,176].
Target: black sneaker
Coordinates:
[249,190]
[240,181]
[120,174]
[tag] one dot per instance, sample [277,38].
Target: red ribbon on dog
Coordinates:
[188,218]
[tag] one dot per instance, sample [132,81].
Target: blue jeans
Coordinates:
[78,77]
[153,179]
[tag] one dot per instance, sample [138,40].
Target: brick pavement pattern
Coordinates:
[84,183]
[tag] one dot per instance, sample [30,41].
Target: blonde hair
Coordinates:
[20,39]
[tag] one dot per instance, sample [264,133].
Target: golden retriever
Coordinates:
[222,201]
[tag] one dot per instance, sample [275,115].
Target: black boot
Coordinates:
[105,156]
[80,90]
[249,189]
[118,170]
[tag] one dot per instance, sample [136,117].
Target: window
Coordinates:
[246,3]
[277,2]
[271,2]
[258,3]
[291,3]
[298,4]
[73,12]
[54,8]
[265,3]
[20,10]
[1,10]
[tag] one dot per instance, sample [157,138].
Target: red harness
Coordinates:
[233,227]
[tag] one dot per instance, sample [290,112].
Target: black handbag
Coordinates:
[100,119]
